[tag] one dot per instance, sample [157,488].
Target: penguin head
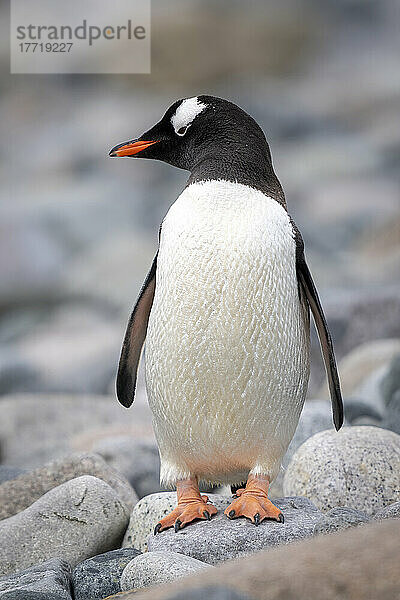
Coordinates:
[198,131]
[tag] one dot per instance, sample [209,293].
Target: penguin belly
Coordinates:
[227,347]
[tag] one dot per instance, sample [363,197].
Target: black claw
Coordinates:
[257,519]
[281,518]
[207,515]
[231,514]
[178,523]
[157,528]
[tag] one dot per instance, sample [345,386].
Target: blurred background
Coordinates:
[78,230]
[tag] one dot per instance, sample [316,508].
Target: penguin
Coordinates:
[224,311]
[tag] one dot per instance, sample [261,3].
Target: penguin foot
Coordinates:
[253,503]
[191,506]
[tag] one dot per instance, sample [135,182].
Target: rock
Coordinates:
[17,322]
[137,460]
[370,390]
[316,416]
[102,273]
[358,318]
[141,430]
[391,382]
[380,253]
[16,374]
[50,580]
[389,512]
[9,473]
[390,387]
[332,205]
[49,423]
[361,562]
[357,411]
[209,592]
[98,577]
[361,371]
[31,262]
[373,319]
[155,568]
[149,510]
[340,518]
[74,521]
[357,467]
[392,417]
[220,539]
[74,350]
[18,494]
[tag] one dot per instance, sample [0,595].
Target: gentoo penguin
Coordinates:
[224,310]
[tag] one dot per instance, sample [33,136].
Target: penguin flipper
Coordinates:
[306,281]
[134,340]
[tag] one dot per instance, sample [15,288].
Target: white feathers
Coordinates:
[186,113]
[227,354]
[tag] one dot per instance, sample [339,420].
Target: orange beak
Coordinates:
[130,148]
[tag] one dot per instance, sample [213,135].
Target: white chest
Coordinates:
[220,227]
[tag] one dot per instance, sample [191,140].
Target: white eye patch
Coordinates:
[186,113]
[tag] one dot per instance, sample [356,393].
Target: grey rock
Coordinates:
[18,494]
[137,460]
[17,322]
[372,319]
[48,423]
[392,416]
[73,350]
[29,595]
[102,273]
[389,512]
[98,577]
[340,518]
[221,539]
[8,473]
[390,387]
[31,261]
[209,592]
[156,568]
[74,521]
[357,467]
[371,421]
[16,374]
[370,389]
[48,580]
[391,382]
[351,314]
[362,370]
[316,416]
[355,410]
[350,564]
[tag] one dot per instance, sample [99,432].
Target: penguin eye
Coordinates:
[182,130]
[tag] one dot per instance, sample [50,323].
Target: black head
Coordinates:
[213,139]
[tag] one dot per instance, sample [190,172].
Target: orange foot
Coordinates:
[252,502]
[191,506]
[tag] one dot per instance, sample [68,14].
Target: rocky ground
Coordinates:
[75,527]
[79,475]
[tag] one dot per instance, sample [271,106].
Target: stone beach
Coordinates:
[79,474]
